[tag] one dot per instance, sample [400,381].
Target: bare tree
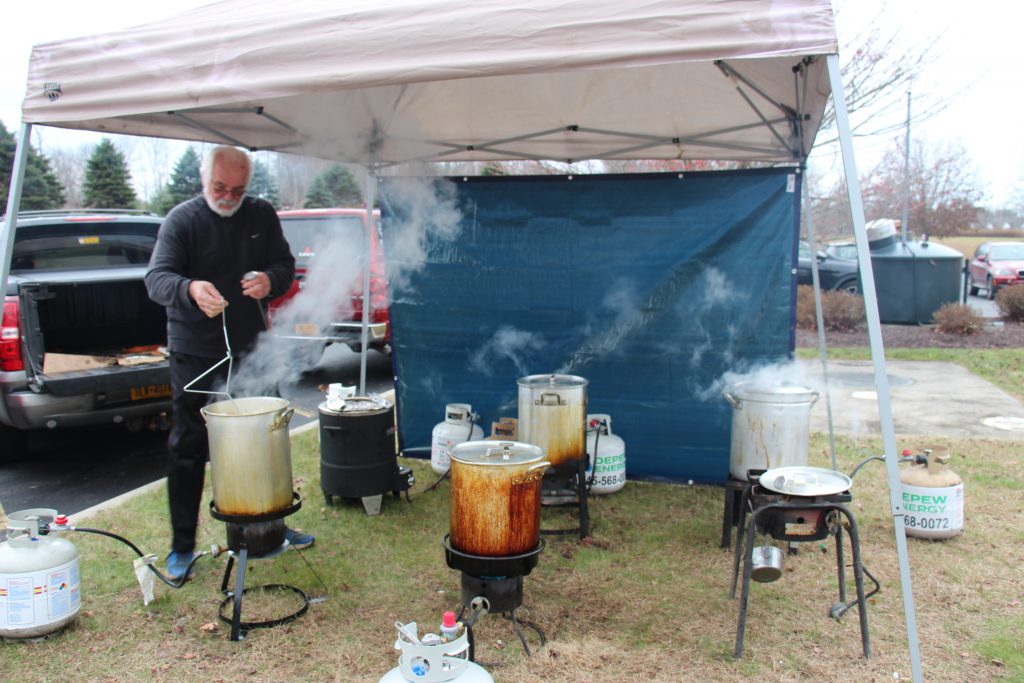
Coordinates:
[943,187]
[878,68]
[69,166]
[294,176]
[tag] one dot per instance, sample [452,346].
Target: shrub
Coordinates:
[840,311]
[957,318]
[1010,301]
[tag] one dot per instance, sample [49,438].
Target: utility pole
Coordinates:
[906,178]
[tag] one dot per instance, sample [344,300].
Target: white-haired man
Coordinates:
[204,249]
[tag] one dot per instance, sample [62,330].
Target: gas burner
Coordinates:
[494,584]
[254,537]
[787,517]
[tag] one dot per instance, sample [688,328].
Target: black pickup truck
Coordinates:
[80,339]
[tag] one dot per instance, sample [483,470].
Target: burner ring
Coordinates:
[484,566]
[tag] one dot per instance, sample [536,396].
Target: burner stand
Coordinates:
[259,531]
[495,584]
[797,518]
[564,487]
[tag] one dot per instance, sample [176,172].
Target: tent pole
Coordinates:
[820,318]
[878,358]
[370,195]
[13,203]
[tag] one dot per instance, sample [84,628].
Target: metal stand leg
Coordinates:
[841,565]
[581,492]
[748,568]
[858,578]
[738,550]
[236,615]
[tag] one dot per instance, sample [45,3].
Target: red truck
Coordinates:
[322,231]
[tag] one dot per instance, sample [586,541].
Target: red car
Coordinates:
[996,265]
[337,235]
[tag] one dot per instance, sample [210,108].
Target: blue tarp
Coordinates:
[650,286]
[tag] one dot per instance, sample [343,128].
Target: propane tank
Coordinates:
[607,462]
[38,576]
[933,496]
[458,426]
[435,658]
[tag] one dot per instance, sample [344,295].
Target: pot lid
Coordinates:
[488,452]
[805,481]
[769,392]
[552,382]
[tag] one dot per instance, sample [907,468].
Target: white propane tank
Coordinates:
[933,497]
[607,462]
[454,430]
[434,658]
[38,578]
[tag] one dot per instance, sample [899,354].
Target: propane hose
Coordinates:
[167,580]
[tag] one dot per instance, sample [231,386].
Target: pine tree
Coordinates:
[183,185]
[107,179]
[41,188]
[334,187]
[262,184]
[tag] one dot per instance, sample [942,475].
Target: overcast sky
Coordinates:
[980,43]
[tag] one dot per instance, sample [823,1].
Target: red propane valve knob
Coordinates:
[61,520]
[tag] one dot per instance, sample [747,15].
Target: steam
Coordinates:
[424,209]
[420,209]
[507,343]
[715,291]
[623,305]
[789,373]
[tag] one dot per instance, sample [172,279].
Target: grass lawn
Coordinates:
[645,599]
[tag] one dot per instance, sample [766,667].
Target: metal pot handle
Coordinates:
[814,397]
[282,419]
[549,400]
[532,473]
[732,400]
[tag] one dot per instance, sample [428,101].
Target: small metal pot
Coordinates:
[766,561]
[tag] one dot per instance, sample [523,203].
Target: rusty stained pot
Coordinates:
[495,497]
[250,454]
[553,416]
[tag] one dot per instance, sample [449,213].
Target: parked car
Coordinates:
[80,340]
[834,273]
[842,250]
[996,265]
[310,231]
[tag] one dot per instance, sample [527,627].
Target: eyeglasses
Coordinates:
[221,189]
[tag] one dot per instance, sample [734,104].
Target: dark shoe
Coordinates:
[297,539]
[178,564]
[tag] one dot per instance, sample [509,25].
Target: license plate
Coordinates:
[150,391]
[307,329]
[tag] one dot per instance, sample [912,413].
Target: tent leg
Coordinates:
[878,358]
[822,353]
[370,196]
[13,203]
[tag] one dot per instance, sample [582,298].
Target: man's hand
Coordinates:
[256,284]
[207,298]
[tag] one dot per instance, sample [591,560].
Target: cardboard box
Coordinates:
[505,429]
[66,362]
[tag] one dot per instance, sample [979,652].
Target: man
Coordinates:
[204,251]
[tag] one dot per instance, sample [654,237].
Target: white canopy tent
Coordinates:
[380,83]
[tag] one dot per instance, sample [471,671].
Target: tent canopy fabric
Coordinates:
[403,80]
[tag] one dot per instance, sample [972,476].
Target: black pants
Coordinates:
[187,446]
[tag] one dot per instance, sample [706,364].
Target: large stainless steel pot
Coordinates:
[770,426]
[250,454]
[553,416]
[495,497]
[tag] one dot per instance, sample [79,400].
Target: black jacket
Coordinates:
[194,243]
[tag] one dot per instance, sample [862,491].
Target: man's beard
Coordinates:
[225,207]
